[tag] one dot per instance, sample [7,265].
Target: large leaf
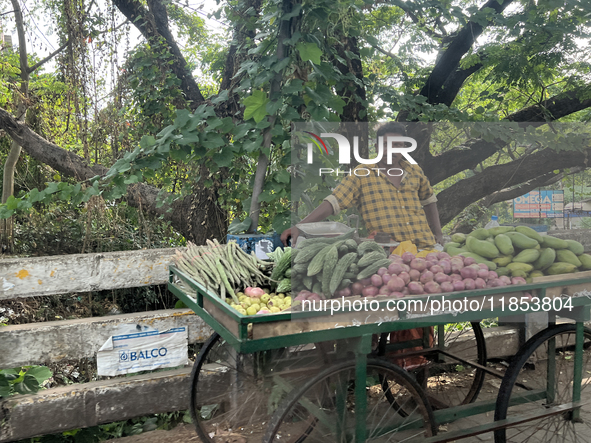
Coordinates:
[224,158]
[4,386]
[256,106]
[29,385]
[282,176]
[41,373]
[238,227]
[309,52]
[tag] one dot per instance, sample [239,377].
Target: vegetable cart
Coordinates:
[312,376]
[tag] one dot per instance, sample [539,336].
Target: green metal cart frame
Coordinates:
[250,334]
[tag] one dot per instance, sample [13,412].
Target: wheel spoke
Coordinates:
[245,387]
[530,368]
[333,393]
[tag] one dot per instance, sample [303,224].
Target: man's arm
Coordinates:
[433,219]
[320,213]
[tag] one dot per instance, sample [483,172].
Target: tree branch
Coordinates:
[49,57]
[153,24]
[454,83]
[465,192]
[476,151]
[458,47]
[72,165]
[554,108]
[538,182]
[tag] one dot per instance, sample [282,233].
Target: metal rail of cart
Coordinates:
[295,376]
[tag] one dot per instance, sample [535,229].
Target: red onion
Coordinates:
[405,267]
[518,281]
[483,266]
[431,263]
[344,292]
[432,288]
[396,284]
[365,281]
[447,286]
[370,291]
[394,269]
[435,269]
[432,256]
[442,255]
[495,283]
[405,291]
[468,272]
[384,290]
[456,267]
[506,279]
[415,288]
[446,266]
[376,280]
[386,278]
[459,285]
[415,275]
[483,273]
[382,271]
[479,283]
[440,277]
[426,277]
[468,261]
[405,276]
[492,274]
[356,288]
[469,284]
[419,264]
[253,292]
[407,257]
[455,277]
[396,294]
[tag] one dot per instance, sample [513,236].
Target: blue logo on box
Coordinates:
[142,355]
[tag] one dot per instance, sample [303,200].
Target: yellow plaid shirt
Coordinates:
[385,208]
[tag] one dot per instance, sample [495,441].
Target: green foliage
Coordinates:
[57,228]
[134,426]
[526,54]
[24,380]
[151,79]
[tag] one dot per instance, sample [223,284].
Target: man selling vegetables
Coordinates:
[402,205]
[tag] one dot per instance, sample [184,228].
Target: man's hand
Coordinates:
[439,238]
[291,232]
[320,213]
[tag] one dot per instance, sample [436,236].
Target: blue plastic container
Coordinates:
[261,244]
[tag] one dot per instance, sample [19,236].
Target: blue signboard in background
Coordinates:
[539,204]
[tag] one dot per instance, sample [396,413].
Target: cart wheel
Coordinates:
[448,381]
[324,409]
[547,378]
[234,395]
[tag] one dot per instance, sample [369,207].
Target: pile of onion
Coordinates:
[434,274]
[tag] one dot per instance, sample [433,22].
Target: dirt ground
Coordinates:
[185,433]
[181,434]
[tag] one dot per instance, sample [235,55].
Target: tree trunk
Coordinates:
[6,226]
[263,160]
